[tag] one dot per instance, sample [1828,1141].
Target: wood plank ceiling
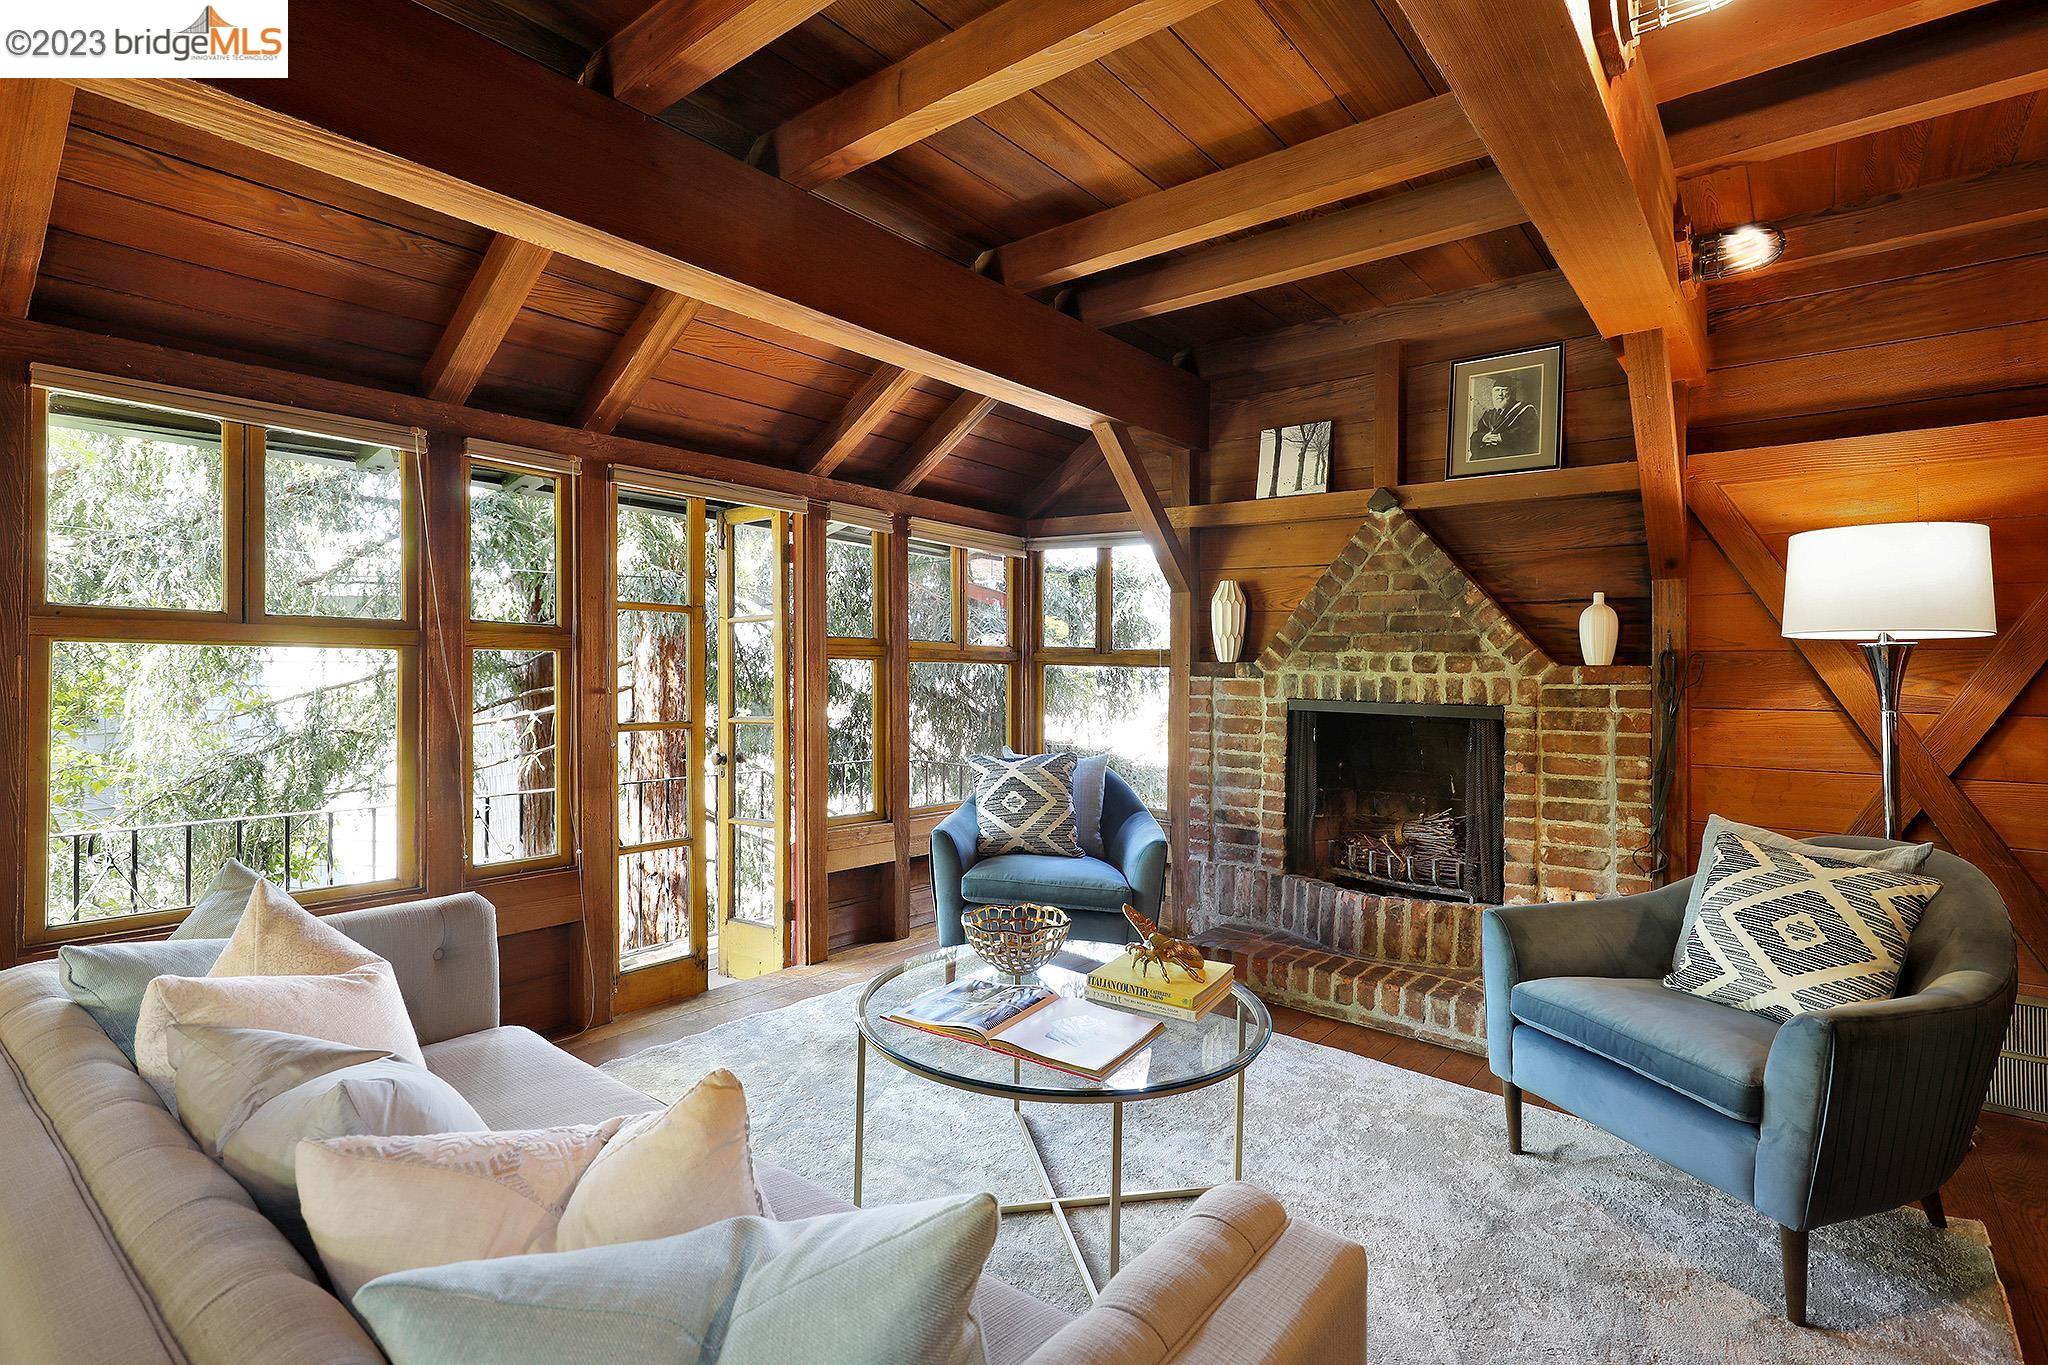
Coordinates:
[1357,185]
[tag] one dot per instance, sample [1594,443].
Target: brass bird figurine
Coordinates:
[1156,946]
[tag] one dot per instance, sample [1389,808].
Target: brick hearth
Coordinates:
[1395,620]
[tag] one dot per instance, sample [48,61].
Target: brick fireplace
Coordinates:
[1373,727]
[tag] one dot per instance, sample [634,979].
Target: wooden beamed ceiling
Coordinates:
[1262,180]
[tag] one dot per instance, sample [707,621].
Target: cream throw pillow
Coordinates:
[378,1205]
[282,970]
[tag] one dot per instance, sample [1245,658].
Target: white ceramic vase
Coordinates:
[1599,631]
[1226,620]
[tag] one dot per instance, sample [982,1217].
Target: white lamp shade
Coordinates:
[1915,580]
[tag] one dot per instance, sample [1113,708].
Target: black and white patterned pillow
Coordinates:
[1781,932]
[1026,805]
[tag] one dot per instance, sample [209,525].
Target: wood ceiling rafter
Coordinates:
[37,115]
[1927,780]
[1417,140]
[1085,459]
[483,315]
[1378,230]
[655,331]
[1592,170]
[940,440]
[1988,54]
[675,46]
[1014,48]
[865,411]
[1735,42]
[580,186]
[2008,197]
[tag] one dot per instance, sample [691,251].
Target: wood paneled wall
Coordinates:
[1542,562]
[1872,346]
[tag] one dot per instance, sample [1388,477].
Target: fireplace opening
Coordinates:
[1397,798]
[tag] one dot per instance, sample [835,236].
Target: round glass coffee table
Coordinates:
[1187,1055]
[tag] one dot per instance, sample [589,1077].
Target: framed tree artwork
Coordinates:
[1507,412]
[1294,460]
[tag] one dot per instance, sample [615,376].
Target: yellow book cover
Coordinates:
[1123,976]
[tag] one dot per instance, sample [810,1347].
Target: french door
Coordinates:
[658,547]
[752,759]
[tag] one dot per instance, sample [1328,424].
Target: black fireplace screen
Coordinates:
[1397,798]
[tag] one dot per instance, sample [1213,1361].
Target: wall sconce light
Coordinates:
[1749,247]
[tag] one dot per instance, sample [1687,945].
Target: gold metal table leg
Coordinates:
[1116,1183]
[860,1109]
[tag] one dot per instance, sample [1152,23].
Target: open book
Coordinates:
[1029,1021]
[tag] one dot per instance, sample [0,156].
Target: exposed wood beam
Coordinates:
[1446,211]
[655,330]
[1143,499]
[1389,412]
[1084,460]
[1539,485]
[1848,681]
[597,181]
[2010,197]
[1739,41]
[1585,157]
[941,439]
[858,419]
[1876,453]
[675,46]
[483,315]
[1660,450]
[1544,299]
[1013,48]
[35,115]
[1989,54]
[1421,139]
[23,341]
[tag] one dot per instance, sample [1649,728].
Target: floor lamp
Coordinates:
[1886,588]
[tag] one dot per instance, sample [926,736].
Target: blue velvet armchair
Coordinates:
[1830,1116]
[1093,891]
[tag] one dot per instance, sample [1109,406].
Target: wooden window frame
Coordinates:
[874,649]
[1104,654]
[558,638]
[240,621]
[956,650]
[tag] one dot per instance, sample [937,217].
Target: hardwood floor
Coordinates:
[2003,1183]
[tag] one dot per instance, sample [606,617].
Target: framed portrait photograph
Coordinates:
[1294,460]
[1507,412]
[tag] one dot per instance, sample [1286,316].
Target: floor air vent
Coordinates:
[2020,1085]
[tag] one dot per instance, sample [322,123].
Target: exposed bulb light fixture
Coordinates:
[1749,247]
[1644,15]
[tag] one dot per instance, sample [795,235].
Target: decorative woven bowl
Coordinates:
[1016,938]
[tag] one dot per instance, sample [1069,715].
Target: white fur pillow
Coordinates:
[378,1205]
[283,970]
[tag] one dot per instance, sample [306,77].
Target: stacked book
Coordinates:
[1173,996]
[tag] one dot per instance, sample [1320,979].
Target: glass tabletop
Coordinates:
[1186,1055]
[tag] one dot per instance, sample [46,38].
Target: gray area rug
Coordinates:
[1583,1250]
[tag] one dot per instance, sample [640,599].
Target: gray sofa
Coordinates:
[1832,1115]
[121,1242]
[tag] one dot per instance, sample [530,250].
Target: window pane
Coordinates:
[988,599]
[850,737]
[133,507]
[654,786]
[654,666]
[512,547]
[753,874]
[514,750]
[654,907]
[956,712]
[1141,608]
[652,556]
[754,562]
[850,583]
[753,771]
[332,512]
[1117,711]
[931,591]
[1067,603]
[753,668]
[166,760]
